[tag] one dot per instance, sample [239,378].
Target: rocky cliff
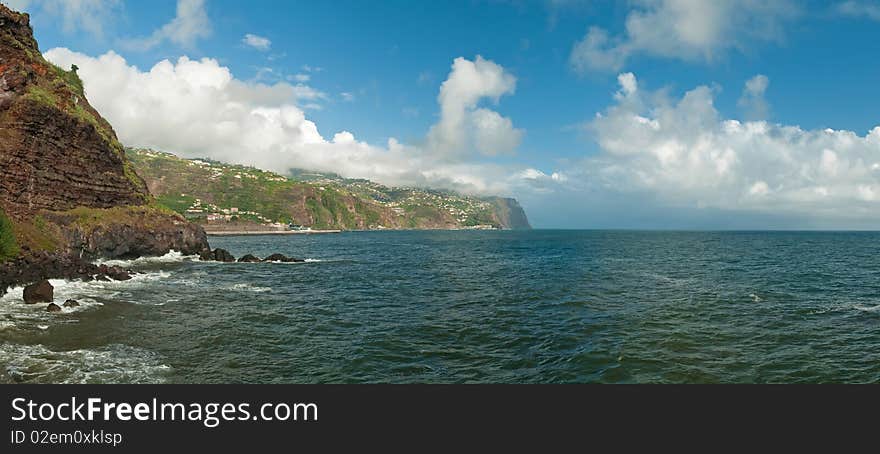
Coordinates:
[66,186]
[510,213]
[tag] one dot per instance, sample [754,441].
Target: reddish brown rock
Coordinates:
[65,182]
[41,292]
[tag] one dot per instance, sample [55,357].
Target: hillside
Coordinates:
[216,193]
[67,188]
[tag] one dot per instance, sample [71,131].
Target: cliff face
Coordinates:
[60,163]
[510,214]
[56,151]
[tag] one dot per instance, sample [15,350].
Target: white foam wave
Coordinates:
[110,364]
[250,288]
[171,257]
[14,314]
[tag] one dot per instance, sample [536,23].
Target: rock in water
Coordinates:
[71,303]
[249,259]
[53,308]
[41,292]
[222,255]
[281,258]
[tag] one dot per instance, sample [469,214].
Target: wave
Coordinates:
[110,364]
[249,288]
[171,257]
[86,294]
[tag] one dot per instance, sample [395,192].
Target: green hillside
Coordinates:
[218,194]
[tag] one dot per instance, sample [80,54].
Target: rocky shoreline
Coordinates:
[37,268]
[41,266]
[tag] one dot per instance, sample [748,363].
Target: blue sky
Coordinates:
[375,69]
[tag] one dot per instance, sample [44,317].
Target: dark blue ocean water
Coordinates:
[453,307]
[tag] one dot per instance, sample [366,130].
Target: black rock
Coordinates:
[281,258]
[71,303]
[249,259]
[53,308]
[218,255]
[41,292]
[118,274]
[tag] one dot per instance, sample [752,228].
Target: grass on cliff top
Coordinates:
[92,218]
[8,243]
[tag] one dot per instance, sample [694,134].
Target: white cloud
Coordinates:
[86,15]
[257,42]
[189,25]
[463,126]
[752,102]
[301,77]
[347,97]
[196,108]
[852,8]
[684,29]
[682,153]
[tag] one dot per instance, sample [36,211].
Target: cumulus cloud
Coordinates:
[690,30]
[257,42]
[189,25]
[196,108]
[682,153]
[463,125]
[752,102]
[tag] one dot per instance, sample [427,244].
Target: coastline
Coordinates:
[268,232]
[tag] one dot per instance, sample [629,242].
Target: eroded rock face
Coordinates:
[41,292]
[56,151]
[139,234]
[64,178]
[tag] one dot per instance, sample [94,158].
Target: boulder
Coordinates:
[41,292]
[281,258]
[118,274]
[249,259]
[71,303]
[217,255]
[53,308]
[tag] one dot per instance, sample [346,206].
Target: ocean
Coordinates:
[537,306]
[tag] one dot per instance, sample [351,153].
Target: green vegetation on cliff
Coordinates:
[218,193]
[8,244]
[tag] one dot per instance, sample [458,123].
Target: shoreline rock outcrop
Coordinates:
[38,267]
[41,292]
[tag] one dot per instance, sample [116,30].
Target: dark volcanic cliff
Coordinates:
[511,213]
[66,186]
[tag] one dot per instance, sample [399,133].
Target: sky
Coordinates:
[643,114]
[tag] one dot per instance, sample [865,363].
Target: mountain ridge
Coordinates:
[205,189]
